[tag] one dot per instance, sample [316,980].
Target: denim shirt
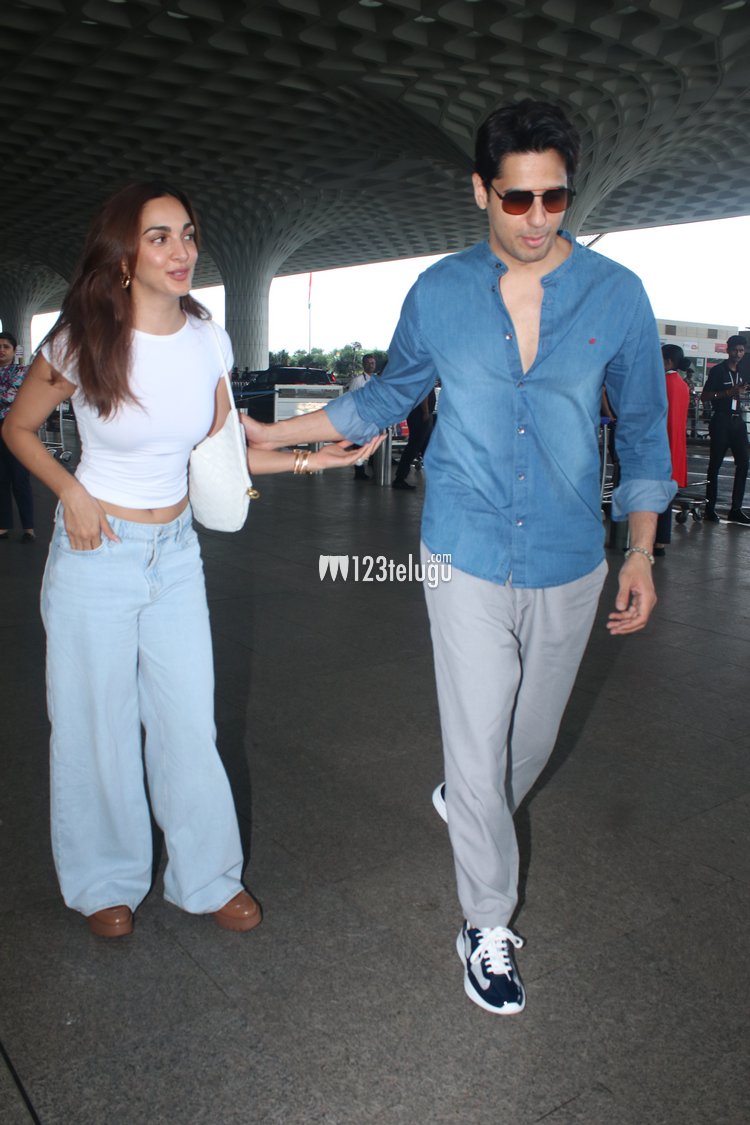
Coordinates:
[513,466]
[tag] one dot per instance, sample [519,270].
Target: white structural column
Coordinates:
[26,289]
[246,317]
[249,240]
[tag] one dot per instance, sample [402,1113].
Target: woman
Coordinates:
[14,477]
[123,598]
[678,403]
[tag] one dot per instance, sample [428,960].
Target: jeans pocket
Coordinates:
[65,545]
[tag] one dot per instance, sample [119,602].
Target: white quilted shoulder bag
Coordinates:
[219,483]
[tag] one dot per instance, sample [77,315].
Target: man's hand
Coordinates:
[302,429]
[636,597]
[259,434]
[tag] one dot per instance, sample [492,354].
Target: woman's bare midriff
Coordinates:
[146,515]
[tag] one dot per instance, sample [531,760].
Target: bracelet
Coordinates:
[301,457]
[639,551]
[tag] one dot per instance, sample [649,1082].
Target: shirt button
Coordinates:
[522,476]
[521,430]
[519,523]
[508,336]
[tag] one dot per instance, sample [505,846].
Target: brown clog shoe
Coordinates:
[114,921]
[241,913]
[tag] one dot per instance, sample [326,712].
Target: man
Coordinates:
[727,430]
[523,331]
[369,364]
[420,431]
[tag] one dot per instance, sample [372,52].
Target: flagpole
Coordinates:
[309,315]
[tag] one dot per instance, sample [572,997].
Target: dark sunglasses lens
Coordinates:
[517,202]
[556,200]
[553,201]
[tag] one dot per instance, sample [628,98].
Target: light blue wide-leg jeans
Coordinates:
[129,645]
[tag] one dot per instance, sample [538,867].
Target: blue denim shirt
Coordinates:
[513,467]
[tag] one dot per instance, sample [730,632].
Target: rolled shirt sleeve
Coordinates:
[407,379]
[636,388]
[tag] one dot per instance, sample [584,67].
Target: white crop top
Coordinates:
[137,458]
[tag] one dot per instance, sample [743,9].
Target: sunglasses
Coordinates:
[554,200]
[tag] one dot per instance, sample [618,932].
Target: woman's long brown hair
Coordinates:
[97,312]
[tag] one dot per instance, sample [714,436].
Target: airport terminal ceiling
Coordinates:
[317,133]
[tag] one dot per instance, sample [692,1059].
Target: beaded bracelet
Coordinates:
[639,551]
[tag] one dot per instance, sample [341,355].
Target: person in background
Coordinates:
[369,366]
[678,404]
[727,430]
[123,598]
[15,481]
[419,421]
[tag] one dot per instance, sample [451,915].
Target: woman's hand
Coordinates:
[340,454]
[85,520]
[337,455]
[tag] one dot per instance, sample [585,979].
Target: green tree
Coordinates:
[315,358]
[348,360]
[345,361]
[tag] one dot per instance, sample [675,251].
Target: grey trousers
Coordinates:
[505,663]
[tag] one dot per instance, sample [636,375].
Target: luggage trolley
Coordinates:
[690,501]
[618,536]
[56,421]
[608,481]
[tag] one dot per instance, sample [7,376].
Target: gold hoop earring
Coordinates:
[125,280]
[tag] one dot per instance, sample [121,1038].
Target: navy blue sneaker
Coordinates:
[491,978]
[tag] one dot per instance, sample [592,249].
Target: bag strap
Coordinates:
[242,446]
[225,373]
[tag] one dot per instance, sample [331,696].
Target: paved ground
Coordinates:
[346,1006]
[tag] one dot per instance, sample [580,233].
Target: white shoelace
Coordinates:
[493,949]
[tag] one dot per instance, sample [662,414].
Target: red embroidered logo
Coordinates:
[592,340]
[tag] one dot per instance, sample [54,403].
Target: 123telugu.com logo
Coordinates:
[378,568]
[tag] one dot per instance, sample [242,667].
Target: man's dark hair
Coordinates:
[673,354]
[527,126]
[736,342]
[11,337]
[368,355]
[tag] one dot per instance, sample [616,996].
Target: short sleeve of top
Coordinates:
[137,458]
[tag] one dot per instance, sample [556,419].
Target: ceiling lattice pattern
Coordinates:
[316,133]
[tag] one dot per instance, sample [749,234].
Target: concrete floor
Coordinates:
[347,1005]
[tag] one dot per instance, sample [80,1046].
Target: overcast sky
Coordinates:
[696,273]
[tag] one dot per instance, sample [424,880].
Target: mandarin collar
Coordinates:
[549,278]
